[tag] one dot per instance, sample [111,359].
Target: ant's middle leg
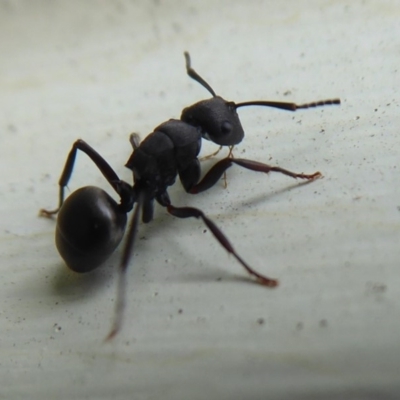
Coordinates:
[190,212]
[216,172]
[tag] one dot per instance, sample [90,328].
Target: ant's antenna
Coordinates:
[288,106]
[194,75]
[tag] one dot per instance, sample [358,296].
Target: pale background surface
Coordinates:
[104,69]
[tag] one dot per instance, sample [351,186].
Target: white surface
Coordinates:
[102,70]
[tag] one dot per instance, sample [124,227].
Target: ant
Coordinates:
[91,224]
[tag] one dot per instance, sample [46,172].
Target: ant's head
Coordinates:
[216,119]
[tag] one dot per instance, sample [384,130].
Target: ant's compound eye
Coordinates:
[226,127]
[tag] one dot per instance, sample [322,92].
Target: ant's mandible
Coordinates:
[91,224]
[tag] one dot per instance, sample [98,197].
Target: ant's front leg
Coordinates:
[215,173]
[101,164]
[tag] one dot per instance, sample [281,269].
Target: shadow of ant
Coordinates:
[262,198]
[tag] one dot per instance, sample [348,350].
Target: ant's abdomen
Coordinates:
[89,228]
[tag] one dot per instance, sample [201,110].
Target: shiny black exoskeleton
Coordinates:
[91,224]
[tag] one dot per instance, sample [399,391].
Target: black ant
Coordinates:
[91,224]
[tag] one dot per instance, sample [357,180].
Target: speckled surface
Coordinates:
[195,326]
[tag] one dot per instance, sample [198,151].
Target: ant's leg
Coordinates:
[260,167]
[188,212]
[190,175]
[215,173]
[123,266]
[102,165]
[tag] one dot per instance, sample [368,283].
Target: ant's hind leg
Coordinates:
[101,164]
